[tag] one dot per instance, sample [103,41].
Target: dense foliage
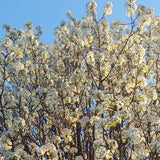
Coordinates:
[92,94]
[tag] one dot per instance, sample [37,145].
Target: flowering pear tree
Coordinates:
[91,95]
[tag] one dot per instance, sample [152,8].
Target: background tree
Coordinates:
[93,94]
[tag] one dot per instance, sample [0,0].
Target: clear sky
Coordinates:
[49,13]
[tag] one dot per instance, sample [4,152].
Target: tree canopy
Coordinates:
[92,94]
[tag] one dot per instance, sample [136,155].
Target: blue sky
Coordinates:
[49,13]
